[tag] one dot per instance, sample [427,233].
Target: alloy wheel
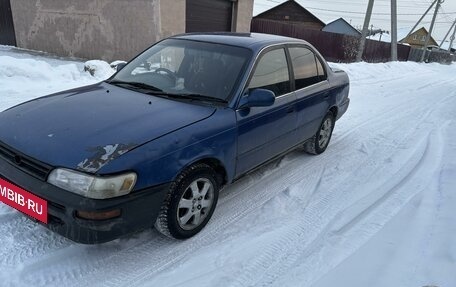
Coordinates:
[195,203]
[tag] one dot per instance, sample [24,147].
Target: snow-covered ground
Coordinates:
[376,209]
[24,76]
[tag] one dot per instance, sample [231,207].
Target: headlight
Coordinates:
[92,186]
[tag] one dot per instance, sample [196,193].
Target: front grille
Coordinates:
[31,166]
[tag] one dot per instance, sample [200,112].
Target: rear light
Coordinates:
[98,215]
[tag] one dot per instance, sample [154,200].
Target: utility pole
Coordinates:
[452,39]
[362,43]
[421,19]
[448,33]
[394,30]
[428,37]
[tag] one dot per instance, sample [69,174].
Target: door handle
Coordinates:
[290,110]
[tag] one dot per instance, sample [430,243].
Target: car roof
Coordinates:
[248,40]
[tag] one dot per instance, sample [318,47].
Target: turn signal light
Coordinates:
[98,215]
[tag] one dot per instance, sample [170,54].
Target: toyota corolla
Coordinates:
[154,144]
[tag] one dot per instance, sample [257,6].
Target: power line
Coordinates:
[363,4]
[362,13]
[384,19]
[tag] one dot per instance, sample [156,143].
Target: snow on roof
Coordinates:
[261,6]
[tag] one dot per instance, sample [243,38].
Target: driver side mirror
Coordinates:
[120,66]
[257,98]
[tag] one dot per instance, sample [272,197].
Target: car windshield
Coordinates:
[186,69]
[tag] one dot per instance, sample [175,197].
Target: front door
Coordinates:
[264,132]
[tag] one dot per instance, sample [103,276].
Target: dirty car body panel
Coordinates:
[113,127]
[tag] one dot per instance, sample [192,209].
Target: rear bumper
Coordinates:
[138,210]
[343,108]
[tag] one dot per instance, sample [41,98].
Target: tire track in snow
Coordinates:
[352,229]
[399,110]
[343,226]
[23,245]
[425,241]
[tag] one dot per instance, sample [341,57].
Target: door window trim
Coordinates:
[256,60]
[317,57]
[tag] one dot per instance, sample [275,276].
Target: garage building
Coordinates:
[113,29]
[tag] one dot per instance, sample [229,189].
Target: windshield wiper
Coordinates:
[198,97]
[159,92]
[137,85]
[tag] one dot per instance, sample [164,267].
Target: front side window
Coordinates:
[183,67]
[271,73]
[305,67]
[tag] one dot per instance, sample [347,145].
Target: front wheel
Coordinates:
[190,202]
[319,142]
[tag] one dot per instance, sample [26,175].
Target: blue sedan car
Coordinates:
[154,144]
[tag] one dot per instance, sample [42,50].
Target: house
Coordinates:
[116,29]
[291,12]
[340,26]
[417,39]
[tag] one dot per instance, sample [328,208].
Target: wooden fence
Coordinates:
[431,56]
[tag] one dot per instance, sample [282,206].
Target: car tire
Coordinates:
[190,202]
[320,141]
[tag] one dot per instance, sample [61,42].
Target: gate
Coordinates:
[208,15]
[7,35]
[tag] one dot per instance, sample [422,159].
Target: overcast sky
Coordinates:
[354,11]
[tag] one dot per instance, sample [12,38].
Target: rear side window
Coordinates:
[304,67]
[271,73]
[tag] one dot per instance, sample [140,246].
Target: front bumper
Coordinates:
[139,209]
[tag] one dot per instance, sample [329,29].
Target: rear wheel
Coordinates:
[319,142]
[190,202]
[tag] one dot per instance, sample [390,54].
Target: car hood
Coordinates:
[88,127]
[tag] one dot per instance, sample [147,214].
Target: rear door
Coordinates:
[264,132]
[311,88]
